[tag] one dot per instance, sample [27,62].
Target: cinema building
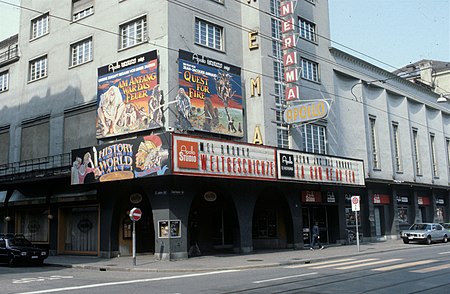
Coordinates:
[233,127]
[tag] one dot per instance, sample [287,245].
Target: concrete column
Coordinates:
[295,207]
[245,204]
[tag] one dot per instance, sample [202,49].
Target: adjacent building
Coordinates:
[233,126]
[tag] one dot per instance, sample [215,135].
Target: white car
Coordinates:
[426,233]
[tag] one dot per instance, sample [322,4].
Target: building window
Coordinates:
[307,30]
[37,68]
[433,155]
[374,142]
[397,155]
[208,35]
[81,52]
[310,70]
[133,32]
[416,152]
[82,9]
[4,80]
[39,26]
[314,138]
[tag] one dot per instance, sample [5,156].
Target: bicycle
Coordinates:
[351,237]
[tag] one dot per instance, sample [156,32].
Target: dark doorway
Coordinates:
[213,224]
[272,222]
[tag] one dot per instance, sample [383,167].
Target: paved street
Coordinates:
[387,267]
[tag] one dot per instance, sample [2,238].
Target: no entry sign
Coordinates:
[135,214]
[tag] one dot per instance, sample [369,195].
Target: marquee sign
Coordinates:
[202,156]
[306,112]
[289,46]
[298,166]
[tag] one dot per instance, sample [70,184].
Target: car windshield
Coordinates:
[420,227]
[19,242]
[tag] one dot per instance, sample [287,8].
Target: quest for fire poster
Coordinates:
[135,158]
[129,96]
[209,96]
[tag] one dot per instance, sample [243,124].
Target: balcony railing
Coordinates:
[49,166]
[9,55]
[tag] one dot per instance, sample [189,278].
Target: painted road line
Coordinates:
[128,282]
[432,269]
[403,265]
[345,263]
[368,263]
[284,278]
[448,252]
[319,263]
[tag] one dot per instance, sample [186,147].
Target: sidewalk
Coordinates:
[148,263]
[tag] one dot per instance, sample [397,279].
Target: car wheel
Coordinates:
[445,239]
[428,240]
[406,241]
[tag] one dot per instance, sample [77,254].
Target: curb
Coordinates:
[219,268]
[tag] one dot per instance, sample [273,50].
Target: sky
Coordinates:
[387,33]
[395,32]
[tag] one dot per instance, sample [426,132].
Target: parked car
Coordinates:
[17,249]
[426,233]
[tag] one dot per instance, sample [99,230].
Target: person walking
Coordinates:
[316,237]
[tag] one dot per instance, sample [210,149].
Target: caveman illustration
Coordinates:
[154,106]
[184,106]
[110,110]
[223,87]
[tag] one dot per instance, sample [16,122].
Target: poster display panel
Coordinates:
[136,158]
[209,96]
[128,96]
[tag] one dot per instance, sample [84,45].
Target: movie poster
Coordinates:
[209,96]
[142,157]
[128,96]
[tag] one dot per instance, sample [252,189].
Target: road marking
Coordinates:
[448,252]
[284,278]
[128,282]
[403,265]
[40,279]
[319,263]
[432,269]
[345,263]
[368,263]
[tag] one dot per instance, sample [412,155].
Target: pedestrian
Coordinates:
[316,237]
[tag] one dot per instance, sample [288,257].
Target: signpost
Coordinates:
[356,207]
[135,215]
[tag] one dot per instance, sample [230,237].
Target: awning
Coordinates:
[2,198]
[74,196]
[17,198]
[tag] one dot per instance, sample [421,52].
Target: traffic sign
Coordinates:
[135,214]
[355,203]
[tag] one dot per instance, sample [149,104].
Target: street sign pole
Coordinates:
[134,243]
[357,230]
[135,215]
[356,206]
